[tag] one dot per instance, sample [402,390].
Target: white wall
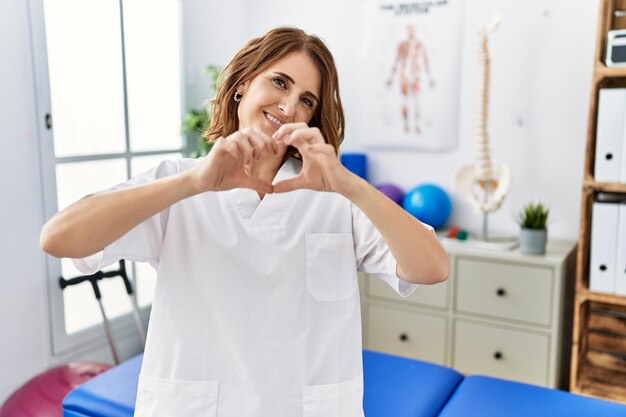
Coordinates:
[541,77]
[23,320]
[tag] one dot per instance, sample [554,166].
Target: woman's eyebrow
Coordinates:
[293,82]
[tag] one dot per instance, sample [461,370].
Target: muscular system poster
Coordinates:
[410,73]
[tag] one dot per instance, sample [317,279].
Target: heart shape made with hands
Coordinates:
[230,158]
[321,170]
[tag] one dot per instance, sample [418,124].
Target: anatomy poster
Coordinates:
[410,62]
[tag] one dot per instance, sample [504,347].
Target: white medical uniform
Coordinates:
[256,310]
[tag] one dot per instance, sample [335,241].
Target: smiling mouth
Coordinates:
[273,120]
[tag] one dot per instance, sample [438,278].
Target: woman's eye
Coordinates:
[307,102]
[280,82]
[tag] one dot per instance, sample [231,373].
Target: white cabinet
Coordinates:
[435,296]
[501,351]
[500,314]
[403,333]
[504,290]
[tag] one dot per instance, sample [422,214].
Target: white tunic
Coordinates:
[256,310]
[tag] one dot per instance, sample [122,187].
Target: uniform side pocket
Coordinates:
[168,398]
[344,399]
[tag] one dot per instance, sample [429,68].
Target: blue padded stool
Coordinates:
[480,396]
[110,394]
[399,387]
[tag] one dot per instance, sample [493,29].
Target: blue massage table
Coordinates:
[394,387]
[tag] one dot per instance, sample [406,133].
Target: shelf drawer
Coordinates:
[517,292]
[418,336]
[427,295]
[501,352]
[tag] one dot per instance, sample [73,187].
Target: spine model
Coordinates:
[484,168]
[482,185]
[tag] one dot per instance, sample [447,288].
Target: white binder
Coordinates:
[623,158]
[620,275]
[604,222]
[609,136]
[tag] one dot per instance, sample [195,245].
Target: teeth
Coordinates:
[273,119]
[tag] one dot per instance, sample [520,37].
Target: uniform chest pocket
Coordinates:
[169,398]
[330,266]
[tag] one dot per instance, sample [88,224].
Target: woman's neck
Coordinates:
[265,168]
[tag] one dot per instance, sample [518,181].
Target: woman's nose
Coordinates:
[288,106]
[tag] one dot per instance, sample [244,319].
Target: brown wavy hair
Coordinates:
[259,54]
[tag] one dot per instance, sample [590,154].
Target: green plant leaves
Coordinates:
[196,121]
[534,216]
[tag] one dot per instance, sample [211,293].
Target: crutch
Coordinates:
[93,280]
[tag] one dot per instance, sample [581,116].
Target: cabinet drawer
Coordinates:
[428,295]
[517,292]
[418,336]
[501,352]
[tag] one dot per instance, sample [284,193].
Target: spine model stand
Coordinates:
[483,187]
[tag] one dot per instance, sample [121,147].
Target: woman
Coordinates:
[256,309]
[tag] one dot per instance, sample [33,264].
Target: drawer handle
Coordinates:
[498,355]
[404,337]
[500,292]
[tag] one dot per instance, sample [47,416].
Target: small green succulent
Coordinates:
[533,216]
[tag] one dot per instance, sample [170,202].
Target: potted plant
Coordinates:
[534,232]
[195,121]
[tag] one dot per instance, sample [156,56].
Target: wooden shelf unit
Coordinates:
[586,295]
[598,360]
[606,187]
[602,71]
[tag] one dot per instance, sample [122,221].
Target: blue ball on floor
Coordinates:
[428,203]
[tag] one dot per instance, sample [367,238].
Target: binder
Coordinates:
[623,158]
[610,144]
[604,240]
[620,273]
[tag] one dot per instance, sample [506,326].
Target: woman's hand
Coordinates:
[321,169]
[224,168]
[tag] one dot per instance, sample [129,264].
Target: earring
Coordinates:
[237,96]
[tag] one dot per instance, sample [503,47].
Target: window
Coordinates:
[109,73]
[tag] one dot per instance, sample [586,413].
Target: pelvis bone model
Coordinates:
[484,188]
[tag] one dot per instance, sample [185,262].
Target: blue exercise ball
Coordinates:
[428,203]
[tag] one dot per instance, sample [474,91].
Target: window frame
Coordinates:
[60,342]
